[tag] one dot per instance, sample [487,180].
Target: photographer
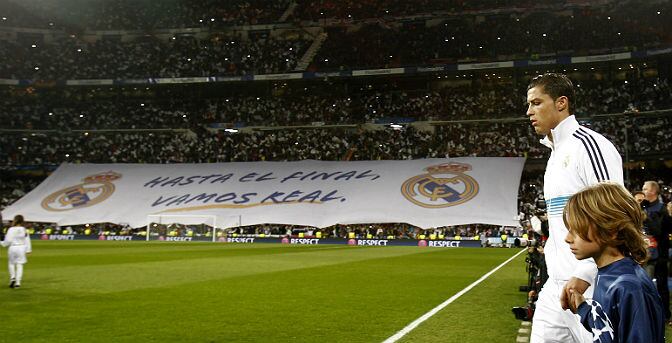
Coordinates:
[537,276]
[657,226]
[536,266]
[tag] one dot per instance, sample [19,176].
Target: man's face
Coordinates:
[543,110]
[650,193]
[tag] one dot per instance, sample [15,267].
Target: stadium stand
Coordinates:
[252,80]
[500,101]
[45,121]
[145,57]
[142,15]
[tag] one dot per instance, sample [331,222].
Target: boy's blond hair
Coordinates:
[607,213]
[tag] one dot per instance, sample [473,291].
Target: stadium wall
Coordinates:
[447,243]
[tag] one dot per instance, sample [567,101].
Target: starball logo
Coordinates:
[95,189]
[443,185]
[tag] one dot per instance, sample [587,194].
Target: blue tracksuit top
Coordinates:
[625,308]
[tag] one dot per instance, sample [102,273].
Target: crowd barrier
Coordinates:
[439,243]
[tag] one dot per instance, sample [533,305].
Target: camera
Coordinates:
[526,312]
[537,275]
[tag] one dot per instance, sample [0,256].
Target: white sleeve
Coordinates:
[586,270]
[29,246]
[599,161]
[536,224]
[8,238]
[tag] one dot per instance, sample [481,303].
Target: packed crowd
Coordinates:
[149,15]
[140,15]
[13,188]
[373,45]
[393,44]
[67,111]
[148,57]
[357,10]
[646,135]
[15,15]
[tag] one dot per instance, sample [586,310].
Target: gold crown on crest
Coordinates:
[454,167]
[103,177]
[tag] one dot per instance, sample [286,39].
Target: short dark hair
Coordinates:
[555,85]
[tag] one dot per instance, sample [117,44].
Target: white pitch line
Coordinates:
[401,333]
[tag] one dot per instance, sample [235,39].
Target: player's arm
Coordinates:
[29,246]
[595,320]
[8,238]
[638,322]
[598,160]
[593,317]
[584,275]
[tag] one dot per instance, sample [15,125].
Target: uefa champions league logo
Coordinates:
[95,189]
[443,185]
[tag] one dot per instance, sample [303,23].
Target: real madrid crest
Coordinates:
[444,185]
[94,190]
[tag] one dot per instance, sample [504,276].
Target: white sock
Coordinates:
[12,272]
[19,273]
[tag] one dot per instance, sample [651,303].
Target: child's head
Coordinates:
[18,220]
[606,215]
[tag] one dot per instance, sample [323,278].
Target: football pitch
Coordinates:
[203,292]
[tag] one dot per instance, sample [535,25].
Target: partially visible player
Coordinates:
[18,241]
[605,223]
[579,158]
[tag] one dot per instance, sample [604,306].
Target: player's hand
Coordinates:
[575,284]
[575,299]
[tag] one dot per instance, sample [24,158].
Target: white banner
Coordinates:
[492,65]
[426,193]
[390,71]
[92,82]
[602,58]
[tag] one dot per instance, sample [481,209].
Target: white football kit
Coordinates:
[18,241]
[579,158]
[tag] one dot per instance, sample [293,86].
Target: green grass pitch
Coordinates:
[204,292]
